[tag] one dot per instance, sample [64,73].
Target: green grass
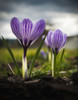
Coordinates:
[18,53]
[44,67]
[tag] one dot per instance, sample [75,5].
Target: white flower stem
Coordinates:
[49,55]
[24,66]
[53,63]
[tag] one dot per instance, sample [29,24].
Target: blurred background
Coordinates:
[58,14]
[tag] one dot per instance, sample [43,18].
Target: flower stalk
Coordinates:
[24,65]
[49,54]
[53,63]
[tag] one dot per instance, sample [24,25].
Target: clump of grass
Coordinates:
[45,66]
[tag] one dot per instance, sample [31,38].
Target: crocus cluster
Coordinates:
[27,33]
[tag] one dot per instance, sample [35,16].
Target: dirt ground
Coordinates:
[46,88]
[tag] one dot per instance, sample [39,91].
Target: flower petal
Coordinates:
[49,37]
[57,39]
[46,41]
[25,28]
[15,27]
[64,41]
[37,29]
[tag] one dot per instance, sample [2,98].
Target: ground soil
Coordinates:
[46,88]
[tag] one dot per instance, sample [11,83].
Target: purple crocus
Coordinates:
[48,45]
[56,40]
[27,33]
[43,54]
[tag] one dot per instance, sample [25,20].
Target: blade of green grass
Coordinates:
[62,55]
[11,69]
[34,58]
[60,62]
[12,55]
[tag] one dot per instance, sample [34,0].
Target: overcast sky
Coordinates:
[62,14]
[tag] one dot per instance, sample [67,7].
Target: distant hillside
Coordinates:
[15,43]
[71,41]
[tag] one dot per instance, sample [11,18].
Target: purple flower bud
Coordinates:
[26,31]
[56,40]
[43,54]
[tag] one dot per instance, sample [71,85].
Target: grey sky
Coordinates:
[62,14]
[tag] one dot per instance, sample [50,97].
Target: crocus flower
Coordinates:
[43,54]
[47,44]
[27,33]
[56,40]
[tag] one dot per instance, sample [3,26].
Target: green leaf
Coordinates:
[62,55]
[12,55]
[34,58]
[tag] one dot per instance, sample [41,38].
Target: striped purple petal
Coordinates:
[25,30]
[15,25]
[49,37]
[37,29]
[46,41]
[57,39]
[64,40]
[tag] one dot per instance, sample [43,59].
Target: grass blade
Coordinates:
[12,56]
[11,69]
[62,55]
[34,58]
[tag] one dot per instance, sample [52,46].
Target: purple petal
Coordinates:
[43,36]
[37,29]
[25,28]
[24,42]
[15,24]
[57,39]
[46,41]
[64,41]
[49,38]
[43,54]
